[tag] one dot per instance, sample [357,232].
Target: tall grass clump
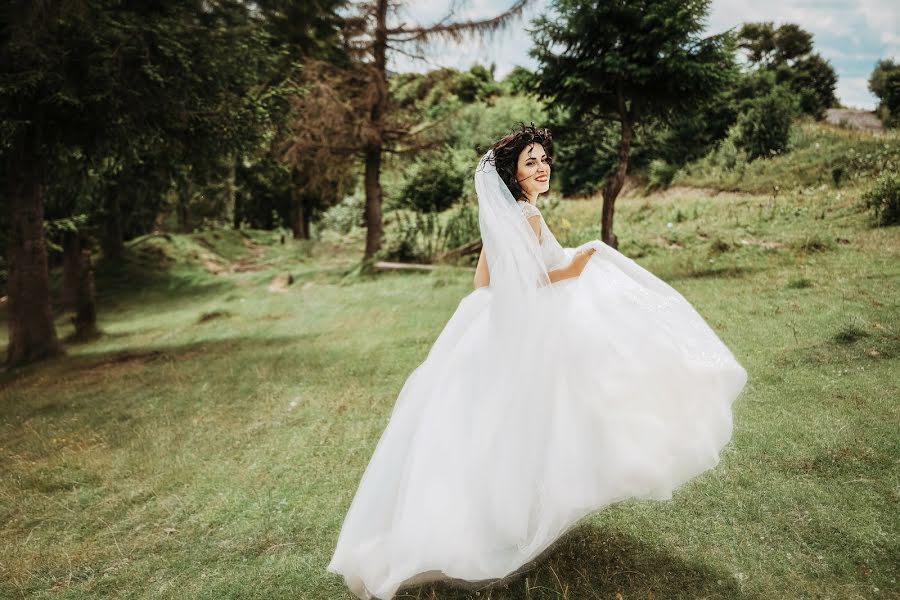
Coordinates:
[883,199]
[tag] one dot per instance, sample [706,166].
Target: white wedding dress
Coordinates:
[614,388]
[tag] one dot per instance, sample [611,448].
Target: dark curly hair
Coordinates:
[507,150]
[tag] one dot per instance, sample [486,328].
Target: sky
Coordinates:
[851,34]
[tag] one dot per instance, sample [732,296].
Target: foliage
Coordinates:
[412,236]
[517,80]
[787,52]
[648,53]
[461,226]
[169,90]
[587,153]
[263,193]
[346,214]
[434,182]
[420,237]
[884,82]
[765,122]
[883,199]
[660,174]
[819,154]
[475,127]
[639,66]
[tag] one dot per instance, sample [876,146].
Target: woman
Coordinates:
[568,380]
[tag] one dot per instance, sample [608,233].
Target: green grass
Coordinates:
[209,444]
[818,155]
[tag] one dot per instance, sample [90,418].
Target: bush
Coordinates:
[884,199]
[422,237]
[462,226]
[727,156]
[345,215]
[884,83]
[764,127]
[432,185]
[660,174]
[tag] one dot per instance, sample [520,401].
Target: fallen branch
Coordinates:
[465,249]
[396,266]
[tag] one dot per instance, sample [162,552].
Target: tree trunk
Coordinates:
[614,184]
[298,215]
[32,334]
[71,261]
[113,234]
[307,217]
[373,203]
[79,290]
[183,209]
[231,191]
[375,143]
[236,219]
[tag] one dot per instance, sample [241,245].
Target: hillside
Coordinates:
[209,443]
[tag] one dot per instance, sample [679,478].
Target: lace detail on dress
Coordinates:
[528,208]
[553,254]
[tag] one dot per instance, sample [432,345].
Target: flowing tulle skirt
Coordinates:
[627,395]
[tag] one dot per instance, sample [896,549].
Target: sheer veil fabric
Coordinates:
[538,404]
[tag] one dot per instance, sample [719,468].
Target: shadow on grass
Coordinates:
[126,281]
[728,272]
[590,562]
[295,357]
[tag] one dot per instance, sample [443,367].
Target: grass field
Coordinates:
[209,444]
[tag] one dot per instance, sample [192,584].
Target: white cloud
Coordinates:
[883,16]
[854,93]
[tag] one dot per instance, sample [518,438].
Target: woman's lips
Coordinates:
[541,178]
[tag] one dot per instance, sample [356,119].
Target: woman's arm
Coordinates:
[482,274]
[573,269]
[570,270]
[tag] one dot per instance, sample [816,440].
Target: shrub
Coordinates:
[849,333]
[461,227]
[884,82]
[727,155]
[799,283]
[432,185]
[412,238]
[884,199]
[814,242]
[422,237]
[719,246]
[765,124]
[345,215]
[660,174]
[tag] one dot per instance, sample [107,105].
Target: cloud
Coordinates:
[854,92]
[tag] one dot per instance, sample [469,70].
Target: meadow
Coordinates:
[209,444]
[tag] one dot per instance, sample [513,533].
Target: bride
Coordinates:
[568,380]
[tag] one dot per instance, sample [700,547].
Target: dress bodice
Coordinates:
[553,253]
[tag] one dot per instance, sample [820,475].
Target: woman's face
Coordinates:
[533,172]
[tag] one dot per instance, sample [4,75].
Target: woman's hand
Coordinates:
[580,260]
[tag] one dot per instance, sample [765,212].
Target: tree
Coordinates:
[166,82]
[885,84]
[310,37]
[372,38]
[628,62]
[788,52]
[765,122]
